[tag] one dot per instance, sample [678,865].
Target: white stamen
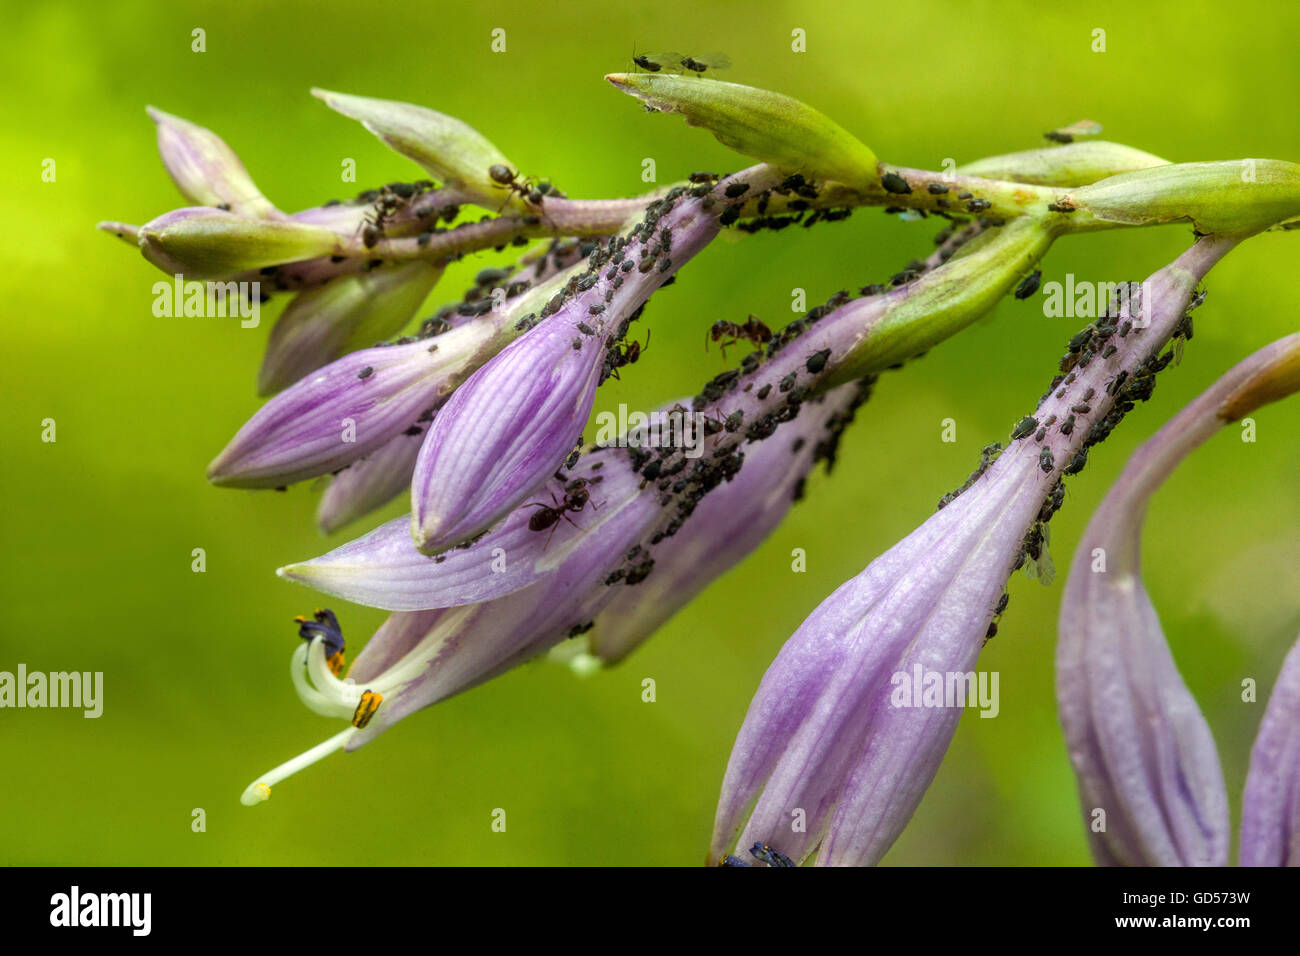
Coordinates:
[323,704]
[260,789]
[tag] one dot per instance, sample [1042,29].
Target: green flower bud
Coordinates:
[941,303]
[776,129]
[1276,377]
[206,243]
[1077,164]
[1225,198]
[452,151]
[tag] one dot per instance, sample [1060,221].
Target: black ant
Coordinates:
[621,355]
[503,175]
[576,498]
[752,330]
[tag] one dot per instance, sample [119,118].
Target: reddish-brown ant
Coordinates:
[576,498]
[752,330]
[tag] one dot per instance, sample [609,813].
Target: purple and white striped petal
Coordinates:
[502,433]
[384,569]
[346,410]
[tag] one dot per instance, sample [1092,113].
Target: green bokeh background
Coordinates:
[99,526]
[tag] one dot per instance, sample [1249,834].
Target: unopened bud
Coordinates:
[777,129]
[206,243]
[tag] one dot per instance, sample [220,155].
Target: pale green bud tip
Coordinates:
[206,243]
[777,129]
[1223,199]
[452,151]
[123,230]
[1076,164]
[1277,377]
[206,170]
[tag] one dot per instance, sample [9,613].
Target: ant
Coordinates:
[503,175]
[387,202]
[752,330]
[621,355]
[576,497]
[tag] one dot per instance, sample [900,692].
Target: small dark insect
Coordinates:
[646,63]
[576,497]
[817,361]
[729,215]
[1089,393]
[702,177]
[1083,408]
[736,189]
[1108,351]
[1041,434]
[1029,285]
[1002,603]
[1045,460]
[1075,464]
[992,632]
[937,189]
[1080,339]
[895,183]
[586,329]
[1062,205]
[365,372]
[1067,426]
[978,205]
[1057,136]
[709,61]
[1024,427]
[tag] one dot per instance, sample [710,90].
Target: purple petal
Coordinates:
[345,411]
[502,434]
[384,569]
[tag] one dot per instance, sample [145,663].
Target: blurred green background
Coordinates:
[99,527]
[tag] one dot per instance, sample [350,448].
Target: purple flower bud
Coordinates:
[829,755]
[346,411]
[1149,778]
[206,171]
[516,419]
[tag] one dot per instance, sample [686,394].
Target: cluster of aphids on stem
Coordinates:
[940,199]
[1123,392]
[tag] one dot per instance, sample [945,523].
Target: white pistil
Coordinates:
[260,789]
